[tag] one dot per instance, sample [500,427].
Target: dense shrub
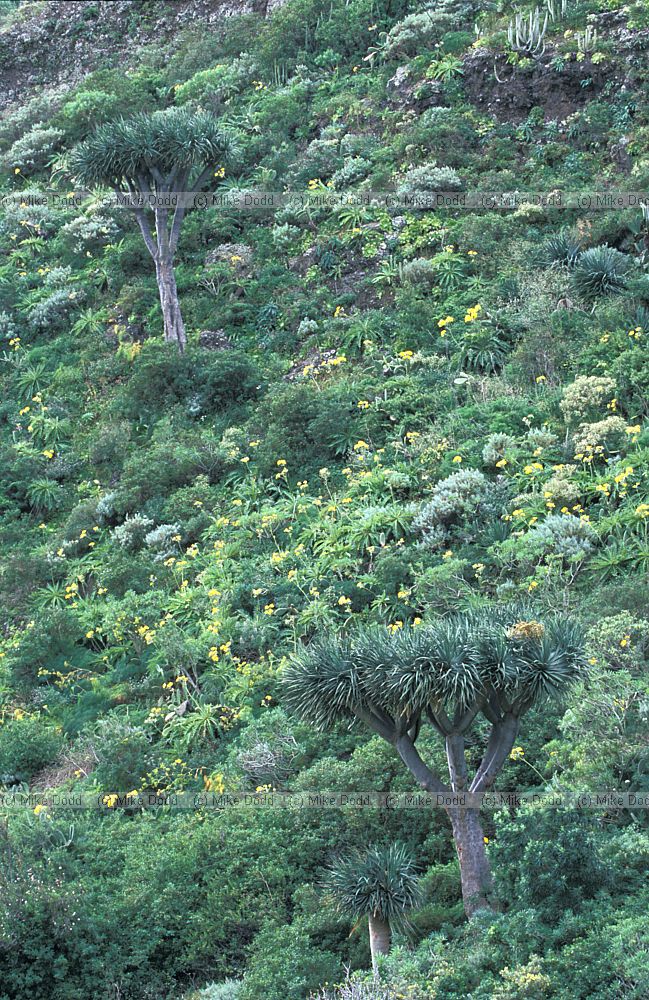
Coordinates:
[563,535]
[33,150]
[604,435]
[27,744]
[586,397]
[204,380]
[421,30]
[429,178]
[456,501]
[285,965]
[549,857]
[132,533]
[123,754]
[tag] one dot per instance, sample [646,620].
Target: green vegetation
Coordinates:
[381,885]
[332,489]
[447,674]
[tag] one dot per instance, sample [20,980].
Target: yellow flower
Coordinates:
[457,459]
[517,753]
[501,464]
[406,355]
[39,809]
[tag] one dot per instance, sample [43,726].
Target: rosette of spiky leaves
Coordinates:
[601,271]
[560,250]
[155,151]
[383,881]
[551,663]
[435,666]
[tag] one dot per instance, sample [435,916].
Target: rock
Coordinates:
[399,86]
[215,340]
[238,254]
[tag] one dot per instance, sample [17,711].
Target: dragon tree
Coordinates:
[158,162]
[381,884]
[447,675]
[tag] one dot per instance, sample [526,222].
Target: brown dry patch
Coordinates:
[64,770]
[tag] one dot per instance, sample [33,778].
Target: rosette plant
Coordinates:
[158,162]
[381,884]
[490,664]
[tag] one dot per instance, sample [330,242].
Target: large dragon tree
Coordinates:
[153,159]
[485,664]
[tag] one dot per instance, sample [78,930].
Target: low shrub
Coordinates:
[27,744]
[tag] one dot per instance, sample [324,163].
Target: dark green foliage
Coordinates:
[26,746]
[601,271]
[285,964]
[203,381]
[550,858]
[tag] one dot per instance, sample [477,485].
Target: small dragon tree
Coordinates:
[150,158]
[487,663]
[381,884]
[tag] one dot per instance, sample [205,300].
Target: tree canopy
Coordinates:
[156,152]
[491,663]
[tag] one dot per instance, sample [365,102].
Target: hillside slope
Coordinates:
[385,415]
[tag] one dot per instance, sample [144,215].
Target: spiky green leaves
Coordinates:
[601,271]
[382,881]
[163,144]
[324,683]
[454,665]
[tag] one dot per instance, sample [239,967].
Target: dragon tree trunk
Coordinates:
[380,939]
